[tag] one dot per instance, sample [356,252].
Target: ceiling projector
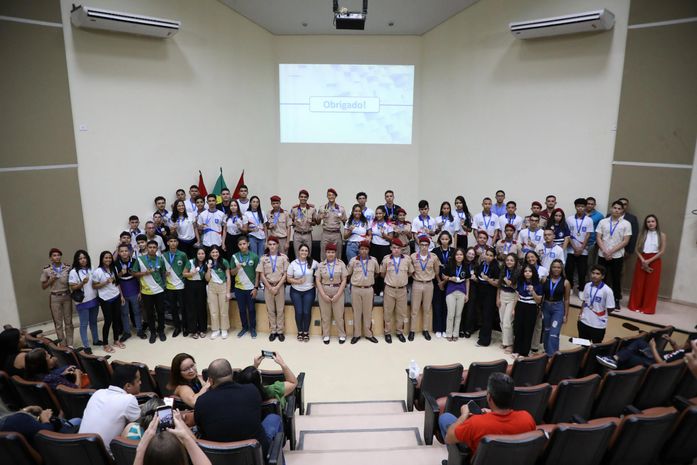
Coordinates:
[344,19]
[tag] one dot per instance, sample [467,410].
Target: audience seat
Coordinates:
[15,450]
[640,437]
[617,390]
[271,376]
[658,384]
[687,386]
[123,450]
[36,393]
[73,401]
[243,452]
[533,399]
[72,449]
[162,378]
[65,356]
[564,364]
[572,398]
[143,397]
[36,342]
[453,404]
[437,380]
[529,371]
[477,376]
[578,444]
[681,447]
[98,369]
[518,449]
[657,335]
[8,393]
[147,381]
[623,342]
[589,364]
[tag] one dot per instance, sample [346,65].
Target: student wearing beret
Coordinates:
[396,269]
[302,217]
[331,216]
[278,224]
[330,282]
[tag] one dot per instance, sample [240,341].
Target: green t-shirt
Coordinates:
[153,283]
[277,391]
[190,265]
[218,274]
[246,277]
[175,263]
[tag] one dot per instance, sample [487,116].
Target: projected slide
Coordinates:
[346,104]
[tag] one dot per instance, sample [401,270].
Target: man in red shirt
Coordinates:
[499,419]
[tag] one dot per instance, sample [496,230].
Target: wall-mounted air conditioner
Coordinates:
[97,18]
[599,20]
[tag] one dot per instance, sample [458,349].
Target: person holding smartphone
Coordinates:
[174,445]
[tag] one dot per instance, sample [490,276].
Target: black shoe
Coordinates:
[153,338]
[617,306]
[466,334]
[427,336]
[372,339]
[124,337]
[176,332]
[163,338]
[388,338]
[281,337]
[97,343]
[142,335]
[272,337]
[185,333]
[87,350]
[401,337]
[411,335]
[355,339]
[342,340]
[462,334]
[326,341]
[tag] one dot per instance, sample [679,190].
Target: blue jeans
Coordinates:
[88,313]
[131,304]
[553,319]
[248,313]
[302,301]
[272,425]
[351,250]
[256,245]
[444,422]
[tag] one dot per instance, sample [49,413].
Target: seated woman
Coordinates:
[12,359]
[41,366]
[174,446]
[279,389]
[135,429]
[32,419]
[185,381]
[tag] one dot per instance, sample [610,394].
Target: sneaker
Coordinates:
[194,335]
[202,334]
[215,334]
[223,334]
[185,333]
[411,336]
[606,361]
[325,340]
[342,340]
[242,332]
[253,333]
[466,334]
[439,334]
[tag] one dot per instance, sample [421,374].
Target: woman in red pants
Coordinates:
[647,273]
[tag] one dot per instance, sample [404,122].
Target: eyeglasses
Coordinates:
[191,368]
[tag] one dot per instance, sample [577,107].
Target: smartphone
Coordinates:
[267,353]
[166,417]
[204,374]
[474,408]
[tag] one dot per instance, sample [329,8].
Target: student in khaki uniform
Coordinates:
[402,229]
[426,267]
[363,269]
[508,244]
[278,224]
[272,269]
[302,217]
[396,269]
[331,216]
[54,277]
[330,283]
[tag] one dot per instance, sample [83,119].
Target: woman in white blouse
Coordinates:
[356,231]
[234,228]
[104,280]
[255,219]
[302,290]
[182,223]
[85,297]
[647,272]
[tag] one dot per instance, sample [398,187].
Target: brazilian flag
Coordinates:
[219,186]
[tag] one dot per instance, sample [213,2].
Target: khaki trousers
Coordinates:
[62,313]
[275,305]
[362,303]
[537,333]
[422,297]
[328,237]
[218,307]
[300,239]
[395,299]
[330,310]
[282,242]
[508,300]
[455,301]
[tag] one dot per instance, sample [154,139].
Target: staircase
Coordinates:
[350,433]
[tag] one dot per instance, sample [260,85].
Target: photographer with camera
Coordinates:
[173,444]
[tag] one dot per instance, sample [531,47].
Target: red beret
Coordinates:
[365,244]
[330,246]
[401,210]
[332,190]
[275,198]
[537,203]
[424,238]
[303,191]
[273,239]
[54,250]
[397,242]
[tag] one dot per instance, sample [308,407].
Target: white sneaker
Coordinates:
[439,334]
[224,334]
[215,334]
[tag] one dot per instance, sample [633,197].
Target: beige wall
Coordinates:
[684,288]
[9,313]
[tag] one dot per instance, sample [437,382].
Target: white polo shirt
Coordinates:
[76,277]
[377,230]
[579,227]
[185,227]
[526,237]
[107,413]
[213,226]
[596,303]
[516,221]
[298,270]
[369,214]
[488,223]
[613,232]
[424,226]
[109,291]
[359,230]
[453,227]
[549,254]
[256,225]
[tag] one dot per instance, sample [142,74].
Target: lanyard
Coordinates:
[422,263]
[508,274]
[445,253]
[548,251]
[108,273]
[507,246]
[151,265]
[553,288]
[57,270]
[275,218]
[303,268]
[510,219]
[612,230]
[458,271]
[593,296]
[579,225]
[273,259]
[242,259]
[390,211]
[425,223]
[485,268]
[331,269]
[486,223]
[300,213]
[171,257]
[396,264]
[364,265]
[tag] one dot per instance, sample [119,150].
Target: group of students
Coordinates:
[188,260]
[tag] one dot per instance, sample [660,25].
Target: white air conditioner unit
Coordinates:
[96,18]
[599,20]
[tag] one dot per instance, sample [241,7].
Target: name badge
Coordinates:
[584,229]
[552,254]
[217,221]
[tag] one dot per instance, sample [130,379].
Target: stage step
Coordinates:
[375,407]
[424,455]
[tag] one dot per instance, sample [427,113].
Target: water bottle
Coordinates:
[413,369]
